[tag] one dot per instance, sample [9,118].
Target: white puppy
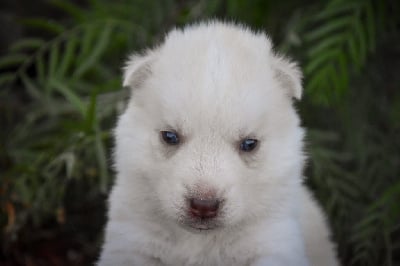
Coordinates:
[209,158]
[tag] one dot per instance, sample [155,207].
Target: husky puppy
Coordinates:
[209,156]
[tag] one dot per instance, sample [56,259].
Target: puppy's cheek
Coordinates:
[171,198]
[233,211]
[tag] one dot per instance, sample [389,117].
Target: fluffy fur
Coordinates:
[215,84]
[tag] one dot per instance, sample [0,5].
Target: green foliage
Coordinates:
[71,81]
[354,159]
[355,173]
[341,36]
[60,94]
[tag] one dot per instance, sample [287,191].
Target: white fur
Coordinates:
[214,83]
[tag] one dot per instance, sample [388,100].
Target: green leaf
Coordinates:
[382,11]
[71,97]
[337,25]
[87,41]
[101,161]
[68,57]
[364,257]
[332,11]
[325,45]
[69,7]
[318,61]
[12,60]
[68,159]
[370,220]
[343,71]
[333,79]
[27,44]
[101,44]
[353,52]
[370,26]
[362,41]
[40,68]
[31,87]
[53,60]
[44,24]
[315,83]
[90,116]
[6,78]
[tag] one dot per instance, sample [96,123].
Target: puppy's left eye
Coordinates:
[248,145]
[170,137]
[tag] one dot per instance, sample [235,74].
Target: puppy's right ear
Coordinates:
[288,75]
[137,69]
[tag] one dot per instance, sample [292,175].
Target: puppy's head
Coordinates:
[210,138]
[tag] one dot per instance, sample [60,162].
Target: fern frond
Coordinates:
[342,36]
[70,8]
[46,25]
[26,44]
[380,219]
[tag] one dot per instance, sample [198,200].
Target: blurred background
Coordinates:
[60,80]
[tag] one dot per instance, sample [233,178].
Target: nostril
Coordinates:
[204,208]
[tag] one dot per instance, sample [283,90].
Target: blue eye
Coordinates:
[170,137]
[248,145]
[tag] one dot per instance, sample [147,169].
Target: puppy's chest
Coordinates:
[195,252]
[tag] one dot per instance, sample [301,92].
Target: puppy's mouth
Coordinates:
[200,225]
[197,224]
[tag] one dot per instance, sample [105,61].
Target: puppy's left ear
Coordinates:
[137,69]
[289,76]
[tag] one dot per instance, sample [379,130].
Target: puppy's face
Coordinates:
[210,135]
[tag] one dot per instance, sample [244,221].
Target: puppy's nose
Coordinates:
[204,208]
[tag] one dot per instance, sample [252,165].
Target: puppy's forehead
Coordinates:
[219,75]
[214,57]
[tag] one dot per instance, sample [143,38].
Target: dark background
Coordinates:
[60,92]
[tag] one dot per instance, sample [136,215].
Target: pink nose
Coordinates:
[204,208]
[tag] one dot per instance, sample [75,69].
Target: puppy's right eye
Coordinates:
[247,145]
[170,137]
